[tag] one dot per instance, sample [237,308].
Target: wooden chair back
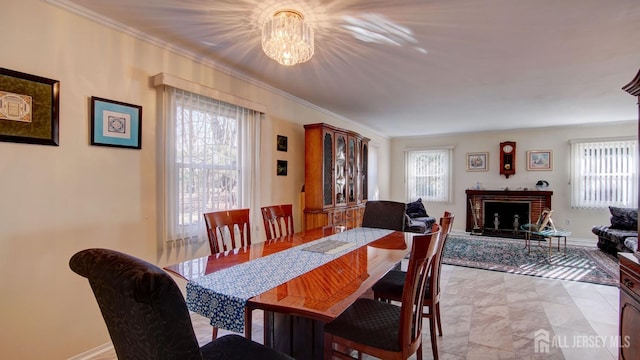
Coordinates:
[228,229]
[421,260]
[278,220]
[446,223]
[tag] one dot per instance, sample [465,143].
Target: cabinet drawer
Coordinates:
[337,217]
[629,282]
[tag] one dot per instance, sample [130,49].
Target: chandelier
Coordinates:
[287,39]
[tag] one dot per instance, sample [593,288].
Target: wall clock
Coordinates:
[507,158]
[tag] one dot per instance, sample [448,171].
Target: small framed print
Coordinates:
[114,123]
[539,160]
[281,143]
[281,168]
[478,161]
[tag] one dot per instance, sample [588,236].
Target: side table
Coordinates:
[547,233]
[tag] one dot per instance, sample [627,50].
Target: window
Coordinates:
[604,173]
[210,160]
[372,173]
[429,174]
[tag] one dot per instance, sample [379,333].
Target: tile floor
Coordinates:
[494,315]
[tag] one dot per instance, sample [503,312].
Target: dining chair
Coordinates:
[382,329]
[223,236]
[221,229]
[278,220]
[391,286]
[384,214]
[146,314]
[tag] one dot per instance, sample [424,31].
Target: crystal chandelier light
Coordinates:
[287,39]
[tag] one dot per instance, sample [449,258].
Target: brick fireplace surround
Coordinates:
[538,200]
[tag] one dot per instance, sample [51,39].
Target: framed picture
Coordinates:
[281,143]
[539,160]
[29,108]
[545,221]
[478,161]
[281,168]
[115,123]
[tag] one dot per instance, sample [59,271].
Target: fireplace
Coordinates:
[485,204]
[505,215]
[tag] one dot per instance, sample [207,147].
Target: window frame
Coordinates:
[445,179]
[604,169]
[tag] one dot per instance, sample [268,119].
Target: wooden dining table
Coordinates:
[295,311]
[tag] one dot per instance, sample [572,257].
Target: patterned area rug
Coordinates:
[582,263]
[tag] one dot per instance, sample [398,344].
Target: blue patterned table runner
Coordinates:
[222,296]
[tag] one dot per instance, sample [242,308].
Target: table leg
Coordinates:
[300,337]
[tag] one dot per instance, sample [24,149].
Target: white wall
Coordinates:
[579,222]
[59,200]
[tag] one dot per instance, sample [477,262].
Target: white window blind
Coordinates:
[429,174]
[604,173]
[211,150]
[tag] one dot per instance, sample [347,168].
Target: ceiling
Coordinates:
[419,67]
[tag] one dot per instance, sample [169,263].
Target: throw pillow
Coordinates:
[624,218]
[416,209]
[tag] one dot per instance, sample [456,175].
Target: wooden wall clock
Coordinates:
[507,158]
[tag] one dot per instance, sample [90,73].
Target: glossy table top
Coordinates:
[320,294]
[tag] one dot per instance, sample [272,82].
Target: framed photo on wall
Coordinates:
[478,161]
[281,143]
[29,107]
[114,123]
[281,168]
[539,160]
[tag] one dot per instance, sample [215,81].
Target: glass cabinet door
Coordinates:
[351,170]
[341,170]
[327,169]
[364,172]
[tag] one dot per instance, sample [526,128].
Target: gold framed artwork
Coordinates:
[29,107]
[478,161]
[539,160]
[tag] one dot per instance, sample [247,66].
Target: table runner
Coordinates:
[222,295]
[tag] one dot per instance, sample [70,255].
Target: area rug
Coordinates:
[581,263]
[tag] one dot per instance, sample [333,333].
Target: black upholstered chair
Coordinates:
[382,329]
[391,286]
[384,214]
[146,314]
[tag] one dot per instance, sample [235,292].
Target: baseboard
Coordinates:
[90,354]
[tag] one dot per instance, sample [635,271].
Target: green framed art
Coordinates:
[29,108]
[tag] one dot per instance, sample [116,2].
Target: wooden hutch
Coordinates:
[629,327]
[335,176]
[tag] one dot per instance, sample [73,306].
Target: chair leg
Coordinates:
[419,352]
[436,313]
[214,333]
[434,339]
[328,347]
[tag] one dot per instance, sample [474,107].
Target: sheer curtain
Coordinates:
[211,161]
[429,174]
[604,173]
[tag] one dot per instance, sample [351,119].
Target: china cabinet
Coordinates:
[629,326]
[335,176]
